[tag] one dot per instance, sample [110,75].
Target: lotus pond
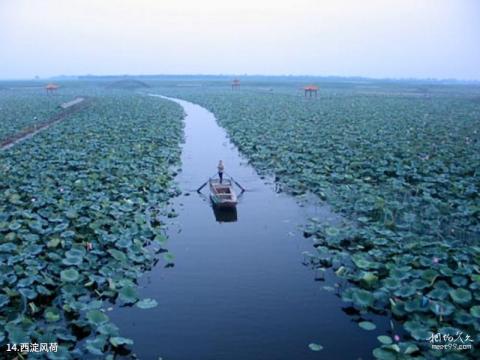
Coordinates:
[22,107]
[79,220]
[403,166]
[81,205]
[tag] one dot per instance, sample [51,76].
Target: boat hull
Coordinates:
[222,203]
[222,194]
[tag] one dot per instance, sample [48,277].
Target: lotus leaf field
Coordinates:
[82,203]
[79,218]
[404,170]
[22,107]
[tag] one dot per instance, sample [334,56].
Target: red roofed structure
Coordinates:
[310,90]
[50,88]
[235,84]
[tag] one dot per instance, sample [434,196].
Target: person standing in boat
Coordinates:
[220,168]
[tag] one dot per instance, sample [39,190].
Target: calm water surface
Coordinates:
[238,290]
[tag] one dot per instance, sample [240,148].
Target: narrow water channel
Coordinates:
[238,289]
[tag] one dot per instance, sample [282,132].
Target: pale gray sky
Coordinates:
[373,38]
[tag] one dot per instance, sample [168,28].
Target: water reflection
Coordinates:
[224,215]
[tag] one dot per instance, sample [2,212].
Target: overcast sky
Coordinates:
[373,38]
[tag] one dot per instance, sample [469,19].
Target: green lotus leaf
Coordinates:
[96,304]
[410,349]
[459,281]
[4,300]
[461,296]
[442,308]
[363,219]
[76,252]
[439,294]
[417,305]
[411,325]
[108,329]
[27,281]
[369,278]
[419,284]
[445,270]
[29,237]
[71,214]
[362,298]
[160,239]
[442,285]
[332,231]
[36,226]
[147,303]
[168,257]
[119,341]
[60,227]
[72,260]
[384,354]
[405,291]
[17,335]
[8,248]
[65,336]
[392,283]
[128,294]
[475,278]
[14,226]
[463,318]
[124,243]
[69,275]
[367,325]
[363,263]
[384,339]
[62,353]
[96,346]
[28,293]
[53,243]
[69,234]
[475,311]
[15,199]
[96,317]
[48,337]
[399,274]
[118,255]
[449,330]
[52,314]
[10,237]
[315,347]
[420,334]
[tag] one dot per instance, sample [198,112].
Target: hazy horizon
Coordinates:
[410,39]
[80,77]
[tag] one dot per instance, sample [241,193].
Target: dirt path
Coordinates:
[32,130]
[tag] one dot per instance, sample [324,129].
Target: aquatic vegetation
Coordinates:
[315,347]
[404,169]
[24,107]
[79,207]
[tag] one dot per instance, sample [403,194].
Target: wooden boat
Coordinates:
[222,194]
